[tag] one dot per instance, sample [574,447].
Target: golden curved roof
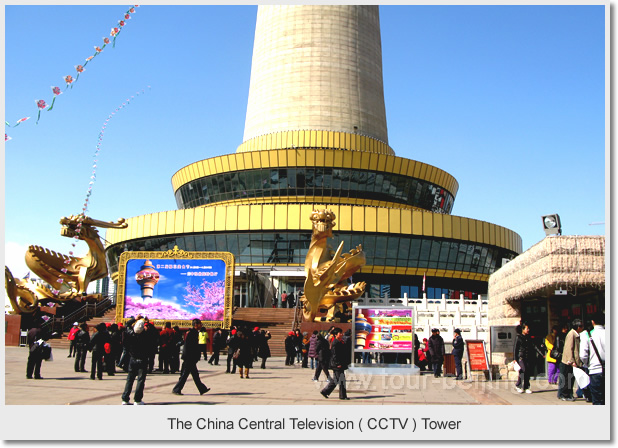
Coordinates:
[285,158]
[294,217]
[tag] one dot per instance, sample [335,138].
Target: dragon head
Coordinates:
[82,225]
[323,222]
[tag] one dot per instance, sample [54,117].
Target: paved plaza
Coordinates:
[276,385]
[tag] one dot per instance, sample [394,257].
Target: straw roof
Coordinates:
[555,262]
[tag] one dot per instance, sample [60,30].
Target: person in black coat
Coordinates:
[245,359]
[290,349]
[83,342]
[264,349]
[525,358]
[137,345]
[97,346]
[190,357]
[458,351]
[216,348]
[35,356]
[232,345]
[340,358]
[177,343]
[436,349]
[323,361]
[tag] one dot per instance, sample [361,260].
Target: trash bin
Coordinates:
[23,338]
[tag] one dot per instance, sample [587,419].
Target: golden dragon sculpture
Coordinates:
[67,276]
[327,271]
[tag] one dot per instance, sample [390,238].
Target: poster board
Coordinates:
[176,286]
[383,329]
[477,356]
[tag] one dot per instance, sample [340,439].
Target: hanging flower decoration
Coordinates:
[7,138]
[93,178]
[41,105]
[56,91]
[69,80]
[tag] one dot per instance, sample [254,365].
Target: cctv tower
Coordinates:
[316,137]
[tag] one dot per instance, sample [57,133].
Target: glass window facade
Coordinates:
[282,248]
[315,181]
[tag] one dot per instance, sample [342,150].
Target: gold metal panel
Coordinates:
[255,217]
[389,270]
[320,157]
[272,158]
[295,139]
[160,223]
[427,224]
[447,223]
[169,222]
[301,157]
[381,162]
[423,171]
[179,221]
[344,218]
[394,220]
[198,219]
[310,157]
[248,161]
[347,159]
[356,160]
[471,230]
[456,227]
[146,231]
[292,157]
[365,159]
[373,161]
[209,218]
[417,169]
[429,174]
[212,167]
[231,218]
[154,223]
[139,227]
[481,236]
[268,217]
[490,233]
[220,218]
[337,140]
[406,222]
[431,272]
[225,164]
[255,159]
[264,159]
[240,161]
[396,164]
[438,225]
[417,222]
[338,159]
[281,216]
[390,163]
[358,219]
[403,167]
[382,220]
[293,217]
[188,217]
[282,156]
[371,219]
[243,217]
[329,158]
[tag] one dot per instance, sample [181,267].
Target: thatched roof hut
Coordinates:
[571,263]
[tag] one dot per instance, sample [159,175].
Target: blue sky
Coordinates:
[510,100]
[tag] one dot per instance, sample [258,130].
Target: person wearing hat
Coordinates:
[436,349]
[290,348]
[137,345]
[72,333]
[256,339]
[458,351]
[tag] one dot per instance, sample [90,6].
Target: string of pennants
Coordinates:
[79,69]
[93,178]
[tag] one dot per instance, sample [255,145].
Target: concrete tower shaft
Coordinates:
[317,68]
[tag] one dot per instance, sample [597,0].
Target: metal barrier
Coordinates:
[63,323]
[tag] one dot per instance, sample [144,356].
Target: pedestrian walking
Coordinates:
[323,358]
[340,358]
[264,349]
[35,353]
[553,355]
[232,345]
[524,356]
[217,340]
[570,358]
[592,355]
[190,357]
[436,350]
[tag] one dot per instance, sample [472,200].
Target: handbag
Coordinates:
[236,354]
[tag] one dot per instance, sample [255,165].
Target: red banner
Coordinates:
[477,355]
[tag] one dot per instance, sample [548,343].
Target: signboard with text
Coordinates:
[385,329]
[176,286]
[477,356]
[503,338]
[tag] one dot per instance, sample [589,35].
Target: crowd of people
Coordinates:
[134,347]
